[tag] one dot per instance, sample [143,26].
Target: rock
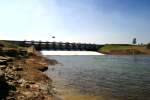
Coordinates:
[11,98]
[23,53]
[19,68]
[3,58]
[28,94]
[9,77]
[31,82]
[27,86]
[21,81]
[43,68]
[21,84]
[31,50]
[16,67]
[2,67]
[35,86]
[21,97]
[3,62]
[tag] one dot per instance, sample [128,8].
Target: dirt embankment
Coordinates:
[22,77]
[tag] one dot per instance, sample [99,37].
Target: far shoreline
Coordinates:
[124,49]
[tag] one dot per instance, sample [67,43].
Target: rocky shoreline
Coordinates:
[22,77]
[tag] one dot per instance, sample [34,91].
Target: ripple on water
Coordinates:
[103,77]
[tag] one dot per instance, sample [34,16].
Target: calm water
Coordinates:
[123,77]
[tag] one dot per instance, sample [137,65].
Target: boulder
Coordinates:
[2,67]
[3,62]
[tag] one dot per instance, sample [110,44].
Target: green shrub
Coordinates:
[148,46]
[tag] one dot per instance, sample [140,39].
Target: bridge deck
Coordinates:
[41,45]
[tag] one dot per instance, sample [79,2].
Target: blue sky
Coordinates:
[94,21]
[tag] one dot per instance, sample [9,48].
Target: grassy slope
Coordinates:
[124,49]
[8,45]
[4,44]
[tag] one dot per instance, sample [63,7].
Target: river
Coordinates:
[101,77]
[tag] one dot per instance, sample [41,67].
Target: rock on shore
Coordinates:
[22,77]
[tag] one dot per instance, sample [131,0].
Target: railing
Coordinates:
[40,45]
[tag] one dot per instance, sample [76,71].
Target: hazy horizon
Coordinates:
[90,21]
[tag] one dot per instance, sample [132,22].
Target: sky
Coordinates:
[86,21]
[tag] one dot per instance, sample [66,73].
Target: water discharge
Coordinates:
[70,53]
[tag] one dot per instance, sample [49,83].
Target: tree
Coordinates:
[134,41]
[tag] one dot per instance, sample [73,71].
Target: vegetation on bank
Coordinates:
[124,49]
[148,46]
[5,44]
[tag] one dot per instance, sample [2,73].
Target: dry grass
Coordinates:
[124,49]
[34,66]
